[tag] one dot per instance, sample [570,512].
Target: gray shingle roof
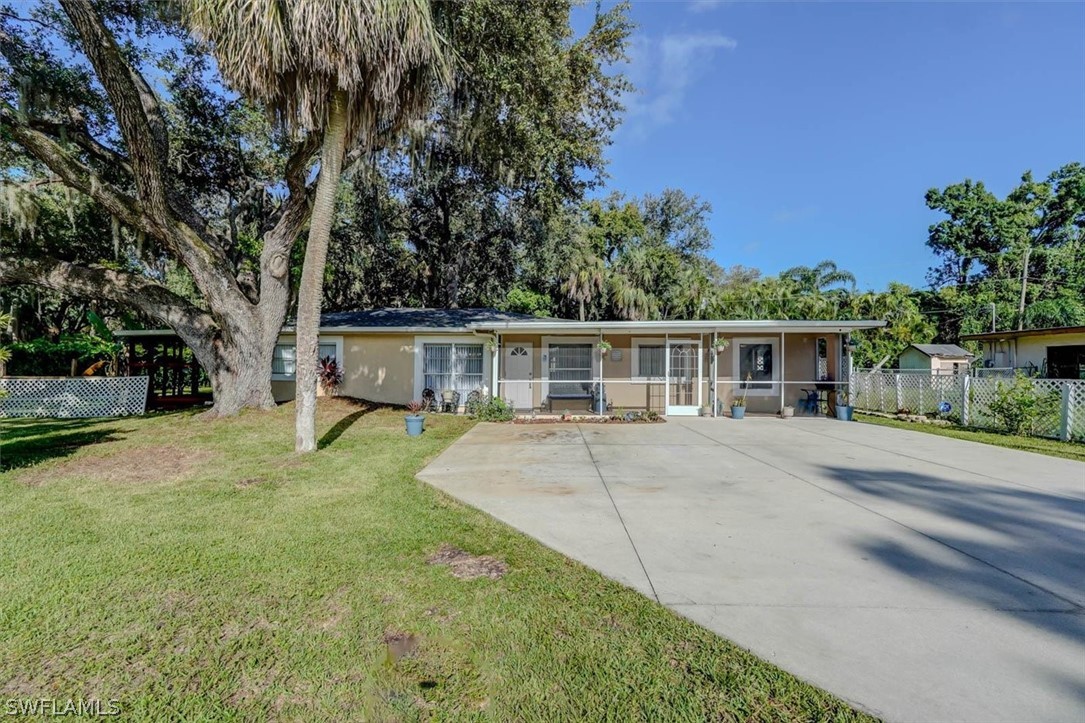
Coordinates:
[943,350]
[417,318]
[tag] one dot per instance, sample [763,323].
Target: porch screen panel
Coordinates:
[456,367]
[570,368]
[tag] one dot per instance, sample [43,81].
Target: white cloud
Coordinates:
[662,71]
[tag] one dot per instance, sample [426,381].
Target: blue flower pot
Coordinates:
[414,424]
[844,413]
[738,412]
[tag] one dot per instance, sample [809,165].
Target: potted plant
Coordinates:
[738,406]
[330,375]
[604,347]
[415,420]
[843,409]
[720,344]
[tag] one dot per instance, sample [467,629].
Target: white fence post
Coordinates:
[900,394]
[1067,421]
[966,386]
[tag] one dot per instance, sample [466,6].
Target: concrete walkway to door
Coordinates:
[919,577]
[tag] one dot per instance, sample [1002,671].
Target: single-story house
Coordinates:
[1054,353]
[673,367]
[935,359]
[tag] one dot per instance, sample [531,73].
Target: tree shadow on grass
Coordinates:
[25,443]
[361,408]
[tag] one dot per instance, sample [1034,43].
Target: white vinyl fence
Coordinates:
[969,399]
[73,397]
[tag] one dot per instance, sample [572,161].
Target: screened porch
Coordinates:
[678,373]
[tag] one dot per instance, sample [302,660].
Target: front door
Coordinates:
[683,391]
[519,378]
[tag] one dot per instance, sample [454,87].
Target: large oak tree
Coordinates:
[77,110]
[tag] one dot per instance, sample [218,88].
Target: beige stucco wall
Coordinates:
[377,367]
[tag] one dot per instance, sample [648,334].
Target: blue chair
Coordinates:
[809,405]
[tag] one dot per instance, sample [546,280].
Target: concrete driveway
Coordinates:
[919,577]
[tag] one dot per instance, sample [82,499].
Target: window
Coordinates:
[822,369]
[755,359]
[452,366]
[650,361]
[283,361]
[1066,362]
[570,368]
[647,360]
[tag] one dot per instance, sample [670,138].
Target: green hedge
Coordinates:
[46,358]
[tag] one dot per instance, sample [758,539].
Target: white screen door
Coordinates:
[683,362]
[517,388]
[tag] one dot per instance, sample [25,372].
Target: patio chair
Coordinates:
[450,401]
[809,403]
[429,400]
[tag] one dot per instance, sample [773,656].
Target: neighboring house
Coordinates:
[673,367]
[1055,353]
[935,359]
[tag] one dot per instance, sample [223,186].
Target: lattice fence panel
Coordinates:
[912,393]
[1077,411]
[891,392]
[73,397]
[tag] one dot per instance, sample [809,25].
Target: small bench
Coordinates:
[566,392]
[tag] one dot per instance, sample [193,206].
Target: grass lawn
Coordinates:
[199,570]
[1050,447]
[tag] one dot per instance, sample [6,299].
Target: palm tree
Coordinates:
[821,278]
[586,278]
[350,70]
[630,301]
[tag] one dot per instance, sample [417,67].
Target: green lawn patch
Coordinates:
[1040,445]
[199,570]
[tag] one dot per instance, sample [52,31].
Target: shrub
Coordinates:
[1019,408]
[415,406]
[330,373]
[494,409]
[46,358]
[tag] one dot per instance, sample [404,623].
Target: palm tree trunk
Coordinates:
[311,290]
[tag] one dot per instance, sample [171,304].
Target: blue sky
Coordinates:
[814,129]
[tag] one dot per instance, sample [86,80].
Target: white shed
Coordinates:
[935,359]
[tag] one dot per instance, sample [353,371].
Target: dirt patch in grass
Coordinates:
[137,465]
[466,566]
[399,644]
[249,482]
